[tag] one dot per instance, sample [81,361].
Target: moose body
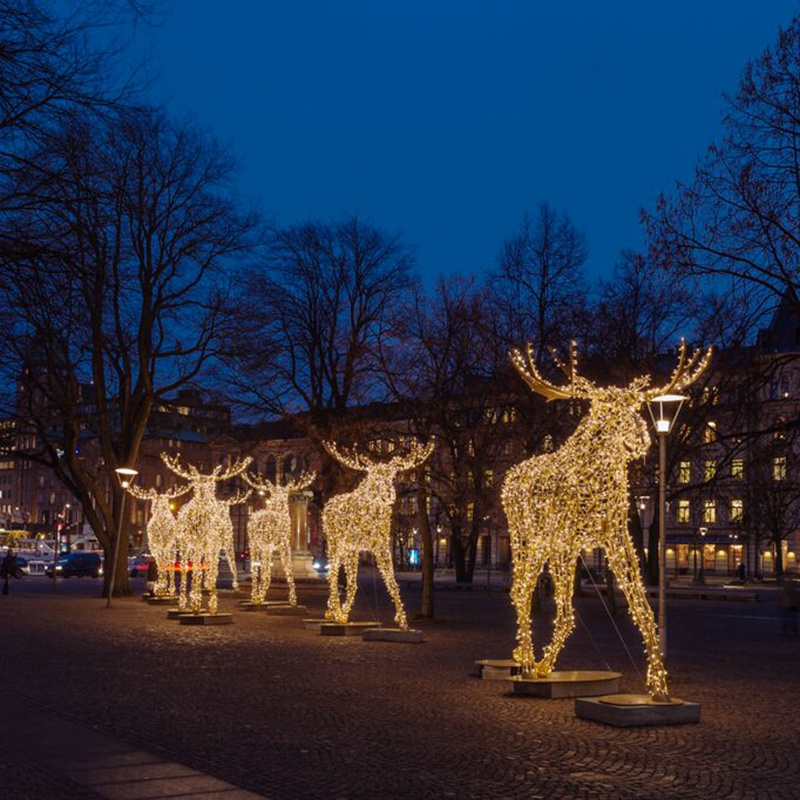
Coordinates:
[162,534]
[560,504]
[361,520]
[204,530]
[269,531]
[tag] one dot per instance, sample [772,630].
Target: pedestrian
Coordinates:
[152,575]
[789,603]
[741,571]
[7,569]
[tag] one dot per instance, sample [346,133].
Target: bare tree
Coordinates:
[736,222]
[111,275]
[309,317]
[540,286]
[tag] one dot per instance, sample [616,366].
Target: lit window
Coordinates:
[684,512]
[737,469]
[779,468]
[547,444]
[709,469]
[470,511]
[685,472]
[710,511]
[710,432]
[488,478]
[737,510]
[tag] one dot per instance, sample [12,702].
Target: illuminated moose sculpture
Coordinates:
[576,498]
[204,529]
[270,530]
[162,533]
[362,520]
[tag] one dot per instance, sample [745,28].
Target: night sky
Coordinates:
[446,120]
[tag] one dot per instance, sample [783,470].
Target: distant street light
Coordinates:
[125,476]
[664,410]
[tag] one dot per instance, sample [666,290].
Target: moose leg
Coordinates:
[211,582]
[286,563]
[334,611]
[230,557]
[625,566]
[351,571]
[564,623]
[258,591]
[521,596]
[383,559]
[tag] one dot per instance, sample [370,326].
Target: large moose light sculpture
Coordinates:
[162,533]
[204,529]
[362,520]
[576,498]
[269,530]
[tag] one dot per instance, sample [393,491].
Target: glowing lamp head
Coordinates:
[664,410]
[126,476]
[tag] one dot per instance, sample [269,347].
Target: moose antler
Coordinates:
[686,373]
[233,469]
[353,461]
[152,494]
[173,463]
[418,454]
[237,499]
[525,366]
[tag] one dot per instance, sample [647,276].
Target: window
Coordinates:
[509,414]
[470,511]
[488,478]
[779,468]
[784,386]
[737,510]
[547,444]
[737,469]
[684,512]
[159,480]
[710,511]
[710,432]
[685,472]
[709,469]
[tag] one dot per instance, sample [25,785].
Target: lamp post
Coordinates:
[664,410]
[125,476]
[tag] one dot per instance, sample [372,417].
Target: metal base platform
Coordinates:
[206,619]
[574,683]
[497,669]
[329,628]
[165,600]
[409,636]
[634,710]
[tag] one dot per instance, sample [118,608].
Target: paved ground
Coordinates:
[269,707]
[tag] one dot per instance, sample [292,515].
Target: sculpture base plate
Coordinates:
[568,683]
[497,669]
[206,619]
[246,605]
[287,609]
[635,710]
[409,636]
[346,628]
[165,600]
[315,623]
[176,613]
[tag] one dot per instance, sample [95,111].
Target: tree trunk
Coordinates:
[426,612]
[778,558]
[121,581]
[459,556]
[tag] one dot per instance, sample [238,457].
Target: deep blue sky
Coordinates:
[446,120]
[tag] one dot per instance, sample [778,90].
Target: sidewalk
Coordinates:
[52,757]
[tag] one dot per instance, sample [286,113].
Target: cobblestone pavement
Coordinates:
[271,707]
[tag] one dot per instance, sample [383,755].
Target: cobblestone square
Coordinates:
[277,710]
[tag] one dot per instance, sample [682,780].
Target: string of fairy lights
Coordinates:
[361,520]
[162,533]
[576,498]
[204,529]
[269,531]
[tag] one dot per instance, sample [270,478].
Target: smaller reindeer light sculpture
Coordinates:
[162,533]
[362,520]
[204,529]
[270,529]
[576,498]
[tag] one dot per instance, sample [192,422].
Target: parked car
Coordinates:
[137,566]
[322,566]
[79,564]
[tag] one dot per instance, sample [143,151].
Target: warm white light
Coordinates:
[362,520]
[575,499]
[269,531]
[204,530]
[126,475]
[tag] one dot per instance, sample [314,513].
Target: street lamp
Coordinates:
[125,476]
[664,410]
[701,576]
